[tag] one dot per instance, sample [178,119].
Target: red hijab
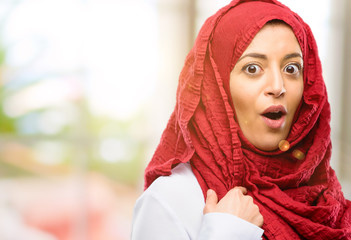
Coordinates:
[297,192]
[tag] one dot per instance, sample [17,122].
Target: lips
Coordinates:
[274,116]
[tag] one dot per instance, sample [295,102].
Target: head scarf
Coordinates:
[296,190]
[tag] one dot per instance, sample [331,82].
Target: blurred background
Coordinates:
[86,89]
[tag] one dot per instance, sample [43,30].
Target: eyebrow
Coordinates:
[292,55]
[262,56]
[253,55]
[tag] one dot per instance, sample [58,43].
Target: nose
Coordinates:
[275,84]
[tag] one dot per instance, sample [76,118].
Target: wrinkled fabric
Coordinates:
[299,197]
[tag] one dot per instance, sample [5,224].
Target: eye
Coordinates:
[252,69]
[292,68]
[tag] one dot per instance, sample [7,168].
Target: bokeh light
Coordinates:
[298,154]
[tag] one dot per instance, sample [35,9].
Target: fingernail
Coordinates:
[209,192]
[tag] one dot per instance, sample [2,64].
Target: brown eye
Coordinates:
[292,69]
[252,69]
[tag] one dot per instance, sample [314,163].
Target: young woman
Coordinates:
[246,152]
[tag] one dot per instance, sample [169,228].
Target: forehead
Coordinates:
[274,37]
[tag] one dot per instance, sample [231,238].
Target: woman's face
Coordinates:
[266,85]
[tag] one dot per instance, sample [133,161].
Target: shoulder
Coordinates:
[180,194]
[180,188]
[181,180]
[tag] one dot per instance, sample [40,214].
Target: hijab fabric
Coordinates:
[296,190]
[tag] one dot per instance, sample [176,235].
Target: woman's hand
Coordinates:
[234,202]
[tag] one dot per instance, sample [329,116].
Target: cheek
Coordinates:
[296,96]
[243,104]
[245,94]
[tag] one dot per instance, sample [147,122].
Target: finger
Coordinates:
[211,197]
[211,201]
[259,221]
[242,189]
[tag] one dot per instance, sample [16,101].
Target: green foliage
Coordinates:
[7,124]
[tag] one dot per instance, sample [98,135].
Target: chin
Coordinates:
[269,144]
[267,148]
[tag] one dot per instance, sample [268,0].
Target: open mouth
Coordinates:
[274,115]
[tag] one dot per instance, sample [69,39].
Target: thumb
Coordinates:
[242,189]
[211,201]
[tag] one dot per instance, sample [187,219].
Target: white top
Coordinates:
[172,208]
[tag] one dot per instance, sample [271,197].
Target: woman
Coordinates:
[246,151]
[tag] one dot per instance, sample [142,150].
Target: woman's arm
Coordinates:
[224,226]
[173,207]
[155,219]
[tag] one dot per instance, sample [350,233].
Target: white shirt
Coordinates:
[172,209]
